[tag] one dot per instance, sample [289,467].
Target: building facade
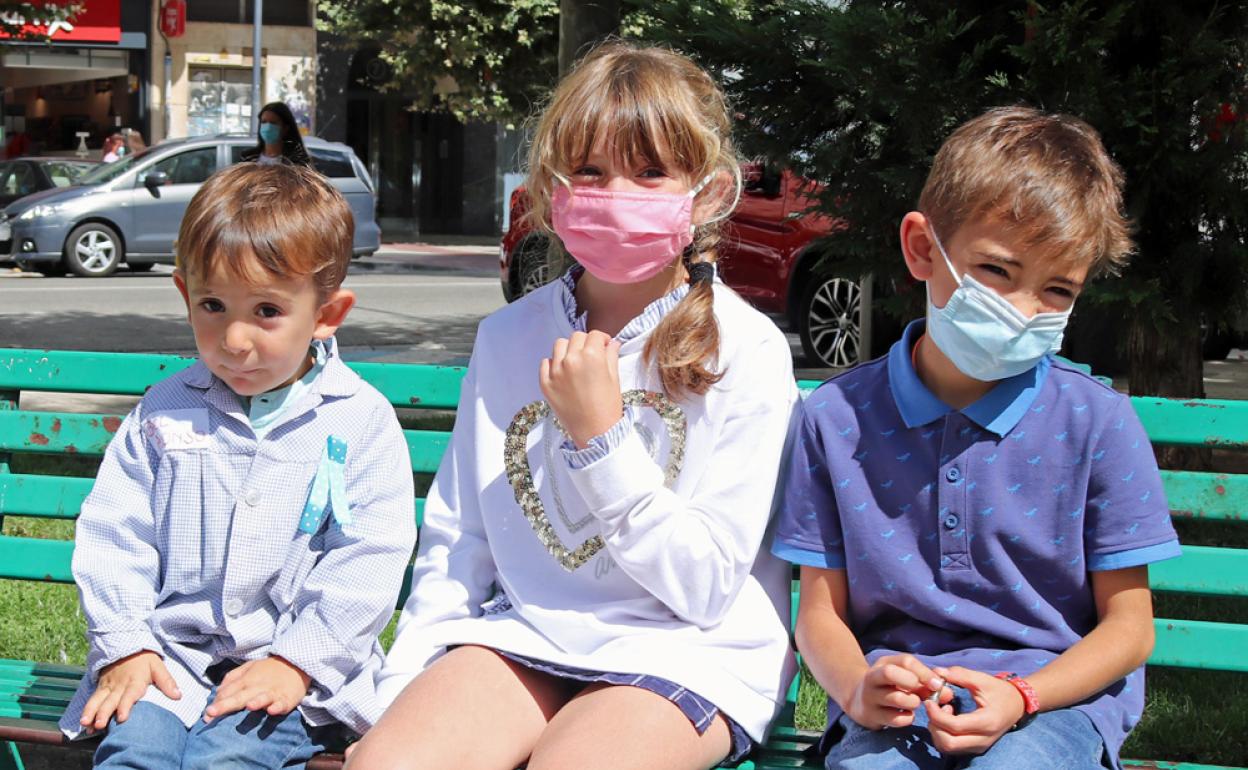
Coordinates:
[204,85]
[90,79]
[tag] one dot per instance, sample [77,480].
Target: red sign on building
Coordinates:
[98,22]
[173,18]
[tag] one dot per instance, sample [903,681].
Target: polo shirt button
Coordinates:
[233,607]
[951,521]
[953,474]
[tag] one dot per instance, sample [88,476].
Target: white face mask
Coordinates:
[984,335]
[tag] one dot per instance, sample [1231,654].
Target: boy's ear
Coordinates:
[332,312]
[179,280]
[917,246]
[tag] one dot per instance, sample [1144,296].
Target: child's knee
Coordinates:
[151,737]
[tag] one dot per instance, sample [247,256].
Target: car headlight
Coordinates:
[40,211]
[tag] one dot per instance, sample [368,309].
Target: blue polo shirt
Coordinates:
[967,536]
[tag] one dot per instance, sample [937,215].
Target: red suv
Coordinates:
[765,254]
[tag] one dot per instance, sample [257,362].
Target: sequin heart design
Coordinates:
[516,462]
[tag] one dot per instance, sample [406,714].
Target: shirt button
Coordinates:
[233,607]
[953,474]
[252,498]
[951,521]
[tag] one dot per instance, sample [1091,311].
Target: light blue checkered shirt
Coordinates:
[189,545]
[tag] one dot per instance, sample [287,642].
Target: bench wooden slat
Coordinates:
[1191,422]
[1203,570]
[67,371]
[1216,496]
[1200,644]
[56,432]
[49,497]
[28,558]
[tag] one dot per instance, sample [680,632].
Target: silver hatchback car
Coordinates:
[128,212]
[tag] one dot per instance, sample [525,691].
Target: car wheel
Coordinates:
[534,271]
[93,250]
[829,322]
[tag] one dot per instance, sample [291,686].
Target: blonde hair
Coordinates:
[649,104]
[1047,176]
[286,219]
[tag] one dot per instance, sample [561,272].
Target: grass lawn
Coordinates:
[1199,716]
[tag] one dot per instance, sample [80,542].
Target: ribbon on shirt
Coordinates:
[329,489]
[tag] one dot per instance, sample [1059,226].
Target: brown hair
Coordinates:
[1048,176]
[288,220]
[651,104]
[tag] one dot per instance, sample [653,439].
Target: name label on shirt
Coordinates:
[178,429]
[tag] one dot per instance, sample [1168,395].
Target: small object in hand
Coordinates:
[935,696]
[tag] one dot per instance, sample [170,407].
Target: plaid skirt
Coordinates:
[697,709]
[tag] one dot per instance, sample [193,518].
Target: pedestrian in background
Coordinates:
[279,138]
[112,149]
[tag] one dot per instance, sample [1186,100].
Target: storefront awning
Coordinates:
[25,67]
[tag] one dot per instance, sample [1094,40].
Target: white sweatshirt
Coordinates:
[665,579]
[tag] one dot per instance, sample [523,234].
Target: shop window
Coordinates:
[220,101]
[294,13]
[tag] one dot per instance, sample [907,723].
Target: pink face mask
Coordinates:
[624,237]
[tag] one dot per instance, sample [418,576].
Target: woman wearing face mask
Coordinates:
[589,575]
[279,138]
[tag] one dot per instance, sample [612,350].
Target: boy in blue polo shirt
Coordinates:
[973,518]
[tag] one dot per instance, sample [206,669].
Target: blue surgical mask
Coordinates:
[984,335]
[271,133]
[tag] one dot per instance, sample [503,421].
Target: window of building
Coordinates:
[220,101]
[293,13]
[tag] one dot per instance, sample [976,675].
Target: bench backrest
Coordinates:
[1202,570]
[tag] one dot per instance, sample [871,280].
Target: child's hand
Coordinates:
[581,382]
[891,690]
[1000,708]
[272,684]
[122,684]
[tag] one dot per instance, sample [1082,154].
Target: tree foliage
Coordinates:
[491,59]
[859,95]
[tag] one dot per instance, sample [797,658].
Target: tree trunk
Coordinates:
[583,23]
[1165,360]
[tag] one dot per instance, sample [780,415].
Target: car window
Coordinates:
[190,167]
[18,179]
[64,173]
[331,163]
[236,152]
[107,172]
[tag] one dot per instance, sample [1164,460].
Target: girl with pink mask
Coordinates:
[589,581]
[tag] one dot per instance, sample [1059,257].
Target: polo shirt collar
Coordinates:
[998,411]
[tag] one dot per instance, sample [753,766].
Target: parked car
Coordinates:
[770,253]
[23,176]
[129,211]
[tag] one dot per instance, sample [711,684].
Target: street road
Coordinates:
[411,307]
[417,304]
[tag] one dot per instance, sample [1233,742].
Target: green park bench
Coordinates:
[34,694]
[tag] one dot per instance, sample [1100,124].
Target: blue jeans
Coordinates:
[1064,739]
[154,738]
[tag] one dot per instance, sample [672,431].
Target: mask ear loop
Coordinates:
[948,262]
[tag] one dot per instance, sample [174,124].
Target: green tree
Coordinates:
[859,95]
[479,59]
